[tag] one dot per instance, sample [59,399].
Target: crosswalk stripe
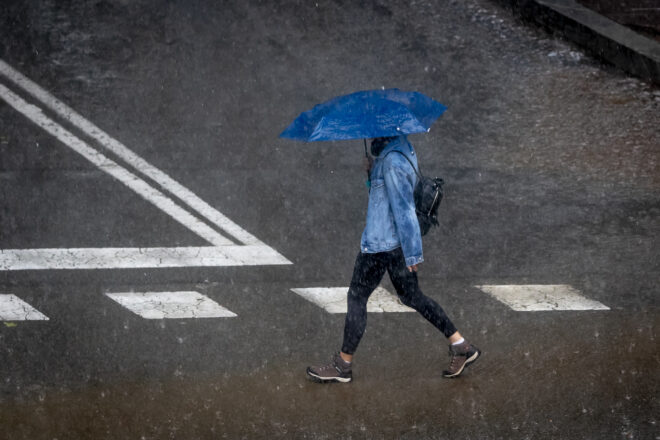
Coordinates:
[541,297]
[12,308]
[191,304]
[333,299]
[170,305]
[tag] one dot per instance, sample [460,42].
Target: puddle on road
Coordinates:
[520,386]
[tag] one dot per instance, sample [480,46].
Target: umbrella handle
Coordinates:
[366,154]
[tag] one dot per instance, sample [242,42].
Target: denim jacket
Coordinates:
[391,218]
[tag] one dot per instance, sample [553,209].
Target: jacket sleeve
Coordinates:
[399,185]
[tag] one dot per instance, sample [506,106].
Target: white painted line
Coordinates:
[12,308]
[126,258]
[115,170]
[170,305]
[133,159]
[253,253]
[333,300]
[542,297]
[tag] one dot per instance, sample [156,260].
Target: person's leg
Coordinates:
[406,284]
[407,287]
[367,274]
[369,270]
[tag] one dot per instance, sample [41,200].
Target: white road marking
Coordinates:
[138,185]
[542,297]
[171,305]
[333,300]
[129,156]
[225,252]
[126,258]
[12,308]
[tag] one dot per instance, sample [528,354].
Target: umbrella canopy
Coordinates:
[366,114]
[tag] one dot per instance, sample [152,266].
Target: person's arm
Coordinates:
[399,185]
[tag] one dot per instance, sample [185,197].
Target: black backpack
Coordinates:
[427,195]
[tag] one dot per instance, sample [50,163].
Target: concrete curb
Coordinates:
[600,36]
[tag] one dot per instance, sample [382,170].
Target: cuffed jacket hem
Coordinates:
[411,261]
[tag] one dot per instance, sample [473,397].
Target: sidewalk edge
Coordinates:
[598,35]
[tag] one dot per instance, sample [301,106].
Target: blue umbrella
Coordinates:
[366,114]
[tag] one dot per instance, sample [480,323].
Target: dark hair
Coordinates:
[379,143]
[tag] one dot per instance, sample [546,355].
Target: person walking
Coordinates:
[391,242]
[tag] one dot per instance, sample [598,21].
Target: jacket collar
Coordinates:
[400,143]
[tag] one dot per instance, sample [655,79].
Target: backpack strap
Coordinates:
[419,174]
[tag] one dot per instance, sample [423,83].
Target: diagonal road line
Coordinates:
[116,147]
[224,252]
[129,179]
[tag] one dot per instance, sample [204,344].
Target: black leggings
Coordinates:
[369,270]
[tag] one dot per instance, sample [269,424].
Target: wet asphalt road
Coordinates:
[551,164]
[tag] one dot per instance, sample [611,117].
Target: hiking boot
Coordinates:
[462,355]
[338,370]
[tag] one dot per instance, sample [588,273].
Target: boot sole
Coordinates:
[465,365]
[319,379]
